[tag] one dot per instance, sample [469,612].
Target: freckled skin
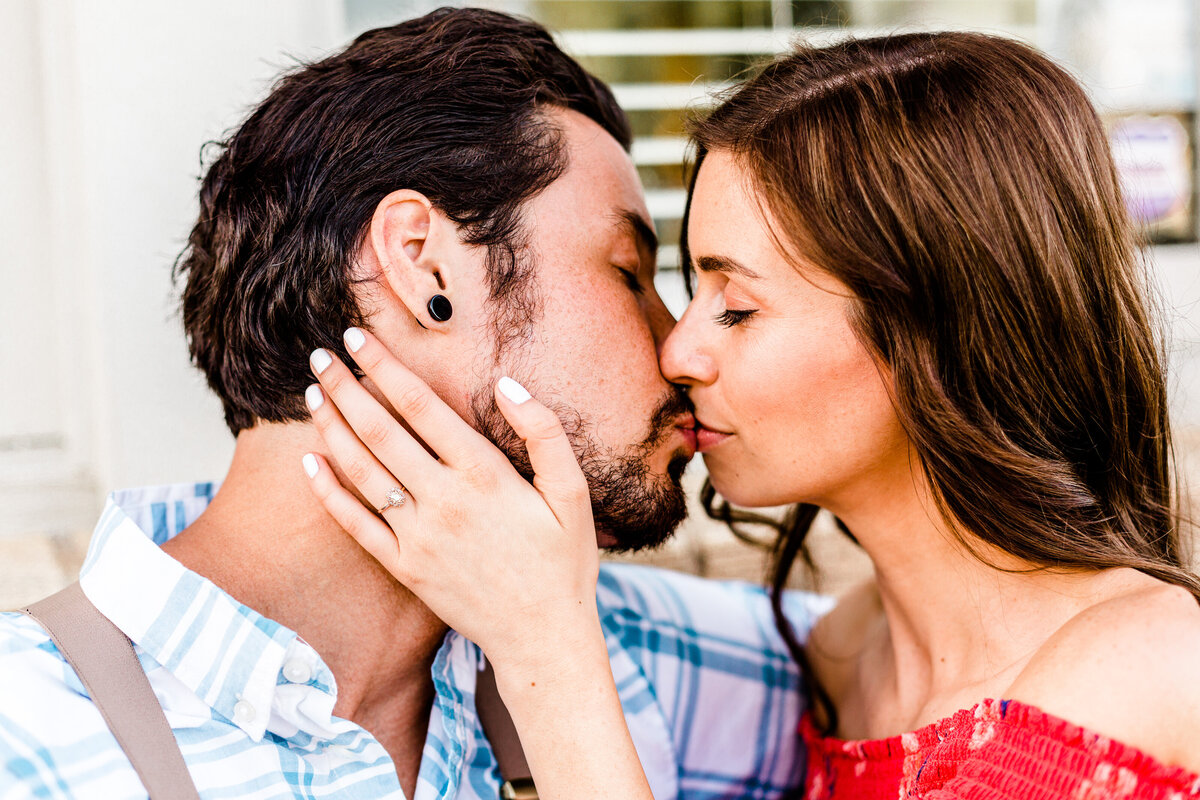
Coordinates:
[593,347]
[807,405]
[597,343]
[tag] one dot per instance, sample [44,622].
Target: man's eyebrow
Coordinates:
[641,231]
[724,264]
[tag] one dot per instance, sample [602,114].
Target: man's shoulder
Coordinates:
[25,647]
[654,599]
[36,677]
[51,735]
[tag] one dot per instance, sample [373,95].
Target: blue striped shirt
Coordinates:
[708,688]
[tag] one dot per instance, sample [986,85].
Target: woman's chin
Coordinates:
[740,489]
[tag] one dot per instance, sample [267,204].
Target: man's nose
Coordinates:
[661,321]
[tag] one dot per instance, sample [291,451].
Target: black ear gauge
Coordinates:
[440,308]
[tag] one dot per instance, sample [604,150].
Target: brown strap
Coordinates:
[104,659]
[502,733]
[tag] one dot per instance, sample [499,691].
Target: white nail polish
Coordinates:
[354,339]
[513,390]
[310,464]
[314,397]
[320,359]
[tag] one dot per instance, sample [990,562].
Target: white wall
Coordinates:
[29,412]
[107,105]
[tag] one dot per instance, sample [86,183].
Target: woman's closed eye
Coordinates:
[733,316]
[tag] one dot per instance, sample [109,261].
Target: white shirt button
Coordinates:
[297,671]
[243,712]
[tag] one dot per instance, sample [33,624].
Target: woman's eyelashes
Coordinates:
[732,316]
[721,293]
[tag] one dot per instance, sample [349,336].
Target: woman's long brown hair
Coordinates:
[961,186]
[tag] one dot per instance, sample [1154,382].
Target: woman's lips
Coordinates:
[708,438]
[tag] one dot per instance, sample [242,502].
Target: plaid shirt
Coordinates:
[708,688]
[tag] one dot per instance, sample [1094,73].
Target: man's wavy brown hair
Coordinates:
[962,187]
[449,105]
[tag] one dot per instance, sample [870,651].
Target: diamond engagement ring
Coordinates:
[395,498]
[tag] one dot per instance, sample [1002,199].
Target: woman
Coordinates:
[917,304]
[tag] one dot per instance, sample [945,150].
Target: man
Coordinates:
[458,156]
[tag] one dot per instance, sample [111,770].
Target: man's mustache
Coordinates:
[673,406]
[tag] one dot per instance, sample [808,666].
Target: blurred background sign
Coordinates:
[1154,155]
[1139,60]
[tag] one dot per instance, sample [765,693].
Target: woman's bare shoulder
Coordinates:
[1128,668]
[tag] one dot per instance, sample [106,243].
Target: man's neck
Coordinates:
[266,541]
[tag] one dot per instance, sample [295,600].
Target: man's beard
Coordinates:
[633,510]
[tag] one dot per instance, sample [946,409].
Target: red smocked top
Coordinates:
[997,749]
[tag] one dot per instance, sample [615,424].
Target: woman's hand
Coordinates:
[511,566]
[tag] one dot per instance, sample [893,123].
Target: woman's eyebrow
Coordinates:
[724,264]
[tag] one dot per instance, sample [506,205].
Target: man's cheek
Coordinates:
[626,342]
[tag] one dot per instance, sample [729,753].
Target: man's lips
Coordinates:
[708,438]
[687,429]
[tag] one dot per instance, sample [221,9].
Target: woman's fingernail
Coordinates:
[513,390]
[320,359]
[313,396]
[310,464]
[354,339]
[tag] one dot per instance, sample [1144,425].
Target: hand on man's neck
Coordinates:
[267,542]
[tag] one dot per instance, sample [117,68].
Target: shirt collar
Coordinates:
[229,655]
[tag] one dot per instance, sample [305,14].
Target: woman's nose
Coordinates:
[683,356]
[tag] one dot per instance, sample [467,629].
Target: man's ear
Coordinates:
[412,240]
